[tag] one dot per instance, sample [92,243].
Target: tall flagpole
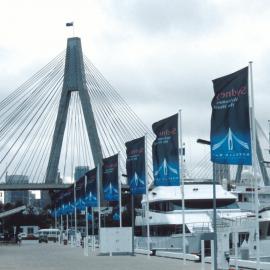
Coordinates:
[120,194]
[86,218]
[55,219]
[67,226]
[75,212]
[182,185]
[98,197]
[254,166]
[93,228]
[61,230]
[147,199]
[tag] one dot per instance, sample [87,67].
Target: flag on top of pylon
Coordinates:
[69,24]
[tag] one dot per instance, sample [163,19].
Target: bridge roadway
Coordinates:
[33,256]
[33,186]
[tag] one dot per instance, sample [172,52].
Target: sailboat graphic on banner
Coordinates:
[136,181]
[230,139]
[165,169]
[91,197]
[111,192]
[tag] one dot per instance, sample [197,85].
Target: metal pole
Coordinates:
[86,220]
[61,230]
[67,226]
[236,250]
[93,229]
[269,136]
[132,220]
[86,231]
[120,193]
[75,212]
[147,198]
[214,219]
[254,166]
[202,256]
[212,255]
[182,183]
[98,195]
[55,219]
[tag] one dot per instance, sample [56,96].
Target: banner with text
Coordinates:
[110,178]
[80,193]
[135,165]
[165,152]
[230,125]
[91,188]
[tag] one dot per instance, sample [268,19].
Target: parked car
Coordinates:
[43,238]
[2,236]
[22,236]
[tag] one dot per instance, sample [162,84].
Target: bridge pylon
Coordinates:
[74,80]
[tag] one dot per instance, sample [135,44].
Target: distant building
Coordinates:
[17,196]
[80,171]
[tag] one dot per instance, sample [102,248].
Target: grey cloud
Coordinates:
[159,16]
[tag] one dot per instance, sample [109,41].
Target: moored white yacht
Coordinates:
[165,214]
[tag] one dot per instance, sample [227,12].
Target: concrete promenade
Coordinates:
[34,256]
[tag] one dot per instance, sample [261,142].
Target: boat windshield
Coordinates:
[166,206]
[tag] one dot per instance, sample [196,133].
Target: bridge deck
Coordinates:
[33,186]
[34,256]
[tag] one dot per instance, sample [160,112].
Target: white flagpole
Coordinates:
[182,185]
[67,227]
[120,195]
[75,212]
[93,229]
[254,165]
[61,234]
[147,199]
[86,220]
[55,219]
[98,197]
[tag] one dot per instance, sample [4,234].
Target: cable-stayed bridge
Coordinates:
[68,115]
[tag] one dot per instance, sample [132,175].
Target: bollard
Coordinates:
[236,250]
[202,256]
[72,240]
[212,255]
[93,243]
[86,246]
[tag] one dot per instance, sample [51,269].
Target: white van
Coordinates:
[51,234]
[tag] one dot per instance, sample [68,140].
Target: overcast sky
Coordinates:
[161,55]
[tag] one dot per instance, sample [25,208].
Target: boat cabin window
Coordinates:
[166,206]
[160,230]
[268,230]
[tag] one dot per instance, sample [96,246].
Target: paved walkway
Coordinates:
[34,256]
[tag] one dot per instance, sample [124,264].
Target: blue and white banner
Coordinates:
[230,125]
[135,165]
[80,193]
[165,152]
[91,188]
[110,178]
[68,199]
